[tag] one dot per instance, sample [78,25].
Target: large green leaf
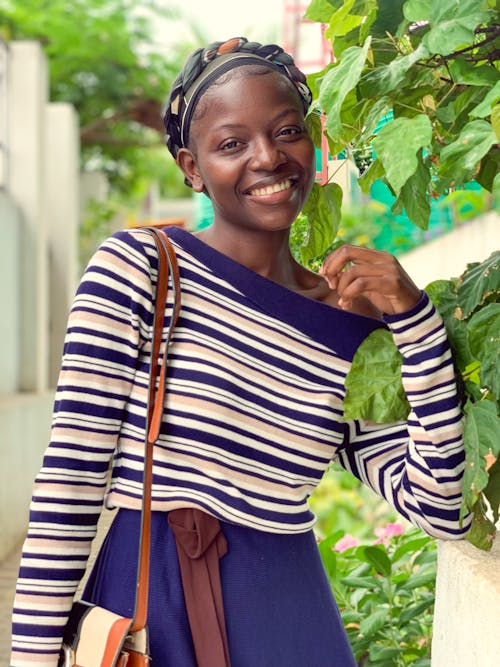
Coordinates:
[443,294]
[479,284]
[464,72]
[338,82]
[414,195]
[397,145]
[417,10]
[483,331]
[386,78]
[481,438]
[319,10]
[343,21]
[323,211]
[374,389]
[453,24]
[460,159]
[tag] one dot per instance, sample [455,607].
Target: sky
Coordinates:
[219,20]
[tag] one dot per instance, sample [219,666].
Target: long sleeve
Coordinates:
[109,321]
[418,465]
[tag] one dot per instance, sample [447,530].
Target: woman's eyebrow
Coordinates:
[281,114]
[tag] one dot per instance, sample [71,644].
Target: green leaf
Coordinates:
[373,623]
[453,24]
[417,10]
[412,133]
[338,82]
[464,72]
[373,173]
[323,211]
[374,390]
[414,195]
[313,123]
[495,120]
[459,342]
[386,78]
[483,330]
[343,21]
[443,294]
[420,579]
[479,284]
[387,655]
[484,108]
[319,10]
[482,531]
[416,610]
[361,582]
[410,547]
[492,490]
[459,160]
[481,437]
[379,559]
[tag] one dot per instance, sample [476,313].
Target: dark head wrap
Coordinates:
[205,66]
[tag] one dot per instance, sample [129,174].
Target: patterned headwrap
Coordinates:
[205,66]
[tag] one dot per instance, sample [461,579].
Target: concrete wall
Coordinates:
[448,255]
[39,217]
[467,612]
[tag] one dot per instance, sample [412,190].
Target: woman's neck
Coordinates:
[265,253]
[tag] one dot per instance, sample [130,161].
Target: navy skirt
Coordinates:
[278,605]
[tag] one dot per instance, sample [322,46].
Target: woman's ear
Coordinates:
[187,162]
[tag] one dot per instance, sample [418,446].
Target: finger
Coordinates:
[346,254]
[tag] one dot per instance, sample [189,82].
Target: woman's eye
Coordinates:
[228,145]
[287,131]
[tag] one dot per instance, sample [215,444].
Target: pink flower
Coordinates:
[390,530]
[346,542]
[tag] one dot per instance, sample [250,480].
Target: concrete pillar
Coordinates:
[467,612]
[63,211]
[10,294]
[27,97]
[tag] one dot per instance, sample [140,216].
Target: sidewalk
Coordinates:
[8,575]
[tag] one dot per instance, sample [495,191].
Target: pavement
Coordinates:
[8,575]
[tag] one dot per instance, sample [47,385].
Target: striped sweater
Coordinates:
[253,416]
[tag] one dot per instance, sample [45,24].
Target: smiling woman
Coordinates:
[254,407]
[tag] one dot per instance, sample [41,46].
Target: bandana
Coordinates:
[205,66]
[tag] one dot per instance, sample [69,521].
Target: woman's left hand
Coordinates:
[376,275]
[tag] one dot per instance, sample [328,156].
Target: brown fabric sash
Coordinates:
[200,543]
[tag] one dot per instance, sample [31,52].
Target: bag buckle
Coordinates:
[68,655]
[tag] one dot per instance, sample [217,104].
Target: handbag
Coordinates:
[95,636]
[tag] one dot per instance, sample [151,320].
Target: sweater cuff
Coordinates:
[419,324]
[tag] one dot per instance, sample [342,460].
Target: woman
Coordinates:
[254,397]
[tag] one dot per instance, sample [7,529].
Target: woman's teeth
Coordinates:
[270,189]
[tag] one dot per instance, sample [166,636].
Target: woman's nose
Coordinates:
[267,155]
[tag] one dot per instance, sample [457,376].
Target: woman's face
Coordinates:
[251,151]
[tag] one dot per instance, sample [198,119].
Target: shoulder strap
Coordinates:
[167,267]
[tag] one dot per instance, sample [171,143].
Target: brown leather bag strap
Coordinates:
[167,267]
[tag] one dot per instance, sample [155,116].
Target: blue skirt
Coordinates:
[278,605]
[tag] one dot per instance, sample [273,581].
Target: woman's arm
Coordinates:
[417,466]
[109,321]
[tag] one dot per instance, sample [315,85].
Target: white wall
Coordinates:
[467,612]
[448,255]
